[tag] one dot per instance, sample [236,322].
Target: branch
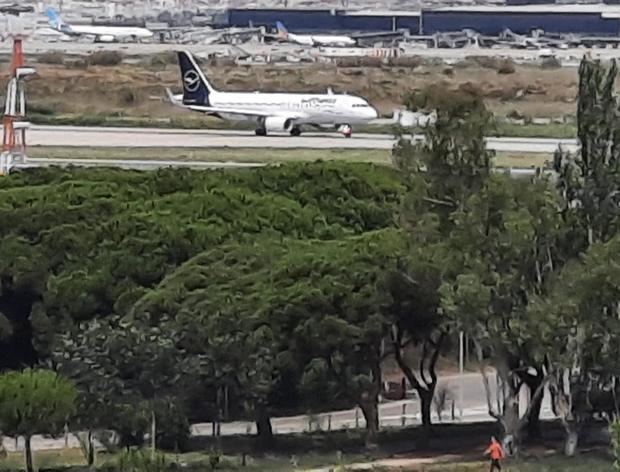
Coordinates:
[435,357]
[422,359]
[439,202]
[398,356]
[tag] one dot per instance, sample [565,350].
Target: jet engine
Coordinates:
[277,123]
[105,38]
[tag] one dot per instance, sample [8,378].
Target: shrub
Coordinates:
[173,429]
[52,57]
[506,67]
[105,58]
[551,63]
[128,96]
[615,442]
[163,59]
[140,461]
[407,61]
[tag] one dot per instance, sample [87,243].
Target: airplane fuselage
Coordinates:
[113,31]
[312,108]
[321,40]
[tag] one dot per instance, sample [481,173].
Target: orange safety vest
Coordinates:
[495,450]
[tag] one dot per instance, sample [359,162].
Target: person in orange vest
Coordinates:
[496,453]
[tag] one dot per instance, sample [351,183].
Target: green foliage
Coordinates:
[614,430]
[35,401]
[52,57]
[138,460]
[104,58]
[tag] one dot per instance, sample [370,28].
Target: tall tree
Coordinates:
[34,402]
[589,183]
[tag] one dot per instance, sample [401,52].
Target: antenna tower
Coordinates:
[14,119]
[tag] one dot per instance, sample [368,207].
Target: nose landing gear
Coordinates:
[295,131]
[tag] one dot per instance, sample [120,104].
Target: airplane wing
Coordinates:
[178,100]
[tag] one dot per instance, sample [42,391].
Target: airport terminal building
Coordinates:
[583,19]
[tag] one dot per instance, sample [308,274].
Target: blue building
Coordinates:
[314,21]
[594,19]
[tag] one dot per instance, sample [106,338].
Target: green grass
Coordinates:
[553,464]
[197,121]
[268,155]
[277,463]
[553,130]
[211,154]
[283,463]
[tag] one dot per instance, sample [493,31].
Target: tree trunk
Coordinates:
[28,451]
[533,383]
[512,424]
[91,449]
[153,434]
[572,439]
[263,427]
[534,431]
[426,403]
[371,415]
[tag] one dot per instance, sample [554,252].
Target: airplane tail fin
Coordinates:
[54,19]
[282,31]
[196,87]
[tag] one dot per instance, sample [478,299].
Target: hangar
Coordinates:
[593,19]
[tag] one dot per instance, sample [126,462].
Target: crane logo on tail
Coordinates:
[191,81]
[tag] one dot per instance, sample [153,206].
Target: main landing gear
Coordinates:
[346,130]
[295,131]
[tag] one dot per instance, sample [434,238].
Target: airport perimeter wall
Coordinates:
[428,21]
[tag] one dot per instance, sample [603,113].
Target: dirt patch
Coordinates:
[138,90]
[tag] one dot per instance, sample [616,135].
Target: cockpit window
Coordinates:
[360,105]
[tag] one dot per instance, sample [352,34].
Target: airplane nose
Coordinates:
[373,114]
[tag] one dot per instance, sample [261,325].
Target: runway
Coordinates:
[176,138]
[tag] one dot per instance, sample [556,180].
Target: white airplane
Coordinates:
[313,40]
[102,34]
[272,112]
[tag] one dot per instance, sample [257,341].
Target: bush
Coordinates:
[40,109]
[173,429]
[488,62]
[406,61]
[506,67]
[105,58]
[128,96]
[614,431]
[52,57]
[140,461]
[551,63]
[163,59]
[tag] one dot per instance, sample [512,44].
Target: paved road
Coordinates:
[148,137]
[391,414]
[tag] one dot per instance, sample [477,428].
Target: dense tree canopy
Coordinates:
[177,296]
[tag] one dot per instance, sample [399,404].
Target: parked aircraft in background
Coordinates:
[272,112]
[102,34]
[312,39]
